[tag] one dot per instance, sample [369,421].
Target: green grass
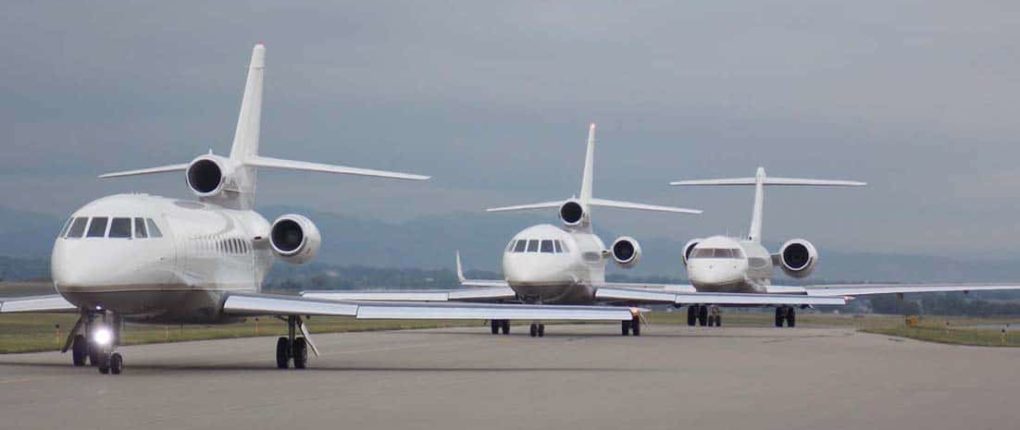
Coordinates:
[39,332]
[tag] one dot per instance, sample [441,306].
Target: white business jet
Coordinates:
[148,259]
[546,264]
[742,265]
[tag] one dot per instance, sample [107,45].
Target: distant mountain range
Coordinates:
[430,242]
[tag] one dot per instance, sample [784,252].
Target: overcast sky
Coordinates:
[918,98]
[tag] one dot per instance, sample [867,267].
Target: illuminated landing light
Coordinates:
[102,336]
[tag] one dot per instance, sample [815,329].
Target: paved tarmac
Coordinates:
[577,377]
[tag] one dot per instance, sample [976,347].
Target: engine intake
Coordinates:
[689,248]
[206,176]
[798,258]
[572,213]
[295,238]
[626,252]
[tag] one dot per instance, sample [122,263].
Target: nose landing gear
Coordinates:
[497,325]
[787,314]
[538,330]
[698,315]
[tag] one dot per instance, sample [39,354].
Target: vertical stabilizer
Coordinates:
[754,233]
[589,160]
[246,135]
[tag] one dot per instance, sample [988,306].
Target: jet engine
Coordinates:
[798,258]
[626,252]
[295,239]
[572,212]
[207,175]
[689,248]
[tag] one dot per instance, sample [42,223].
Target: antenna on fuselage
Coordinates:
[760,180]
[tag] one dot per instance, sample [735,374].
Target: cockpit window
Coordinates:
[120,228]
[547,246]
[520,245]
[140,229]
[556,246]
[510,245]
[77,227]
[153,230]
[533,245]
[97,228]
[716,253]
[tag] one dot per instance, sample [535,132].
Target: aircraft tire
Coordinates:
[791,318]
[779,317]
[702,315]
[635,327]
[116,364]
[506,326]
[534,330]
[541,330]
[300,353]
[79,351]
[625,328]
[282,353]
[495,326]
[692,315]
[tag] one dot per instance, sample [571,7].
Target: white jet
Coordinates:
[557,265]
[741,265]
[148,259]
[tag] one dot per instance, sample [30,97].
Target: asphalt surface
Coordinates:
[577,377]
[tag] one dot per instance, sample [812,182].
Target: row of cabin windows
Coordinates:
[717,253]
[118,228]
[537,245]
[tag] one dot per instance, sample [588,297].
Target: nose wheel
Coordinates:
[500,325]
[697,315]
[633,326]
[787,314]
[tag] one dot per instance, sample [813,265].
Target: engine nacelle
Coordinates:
[626,252]
[572,213]
[207,175]
[798,258]
[689,248]
[295,239]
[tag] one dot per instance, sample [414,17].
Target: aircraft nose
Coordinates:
[710,273]
[525,272]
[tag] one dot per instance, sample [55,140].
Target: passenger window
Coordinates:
[140,229]
[520,245]
[97,228]
[532,245]
[153,230]
[77,227]
[547,246]
[556,246]
[120,228]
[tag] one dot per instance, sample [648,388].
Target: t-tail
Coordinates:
[575,211]
[230,181]
[759,181]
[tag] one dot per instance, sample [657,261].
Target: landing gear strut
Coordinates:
[292,347]
[102,340]
[787,314]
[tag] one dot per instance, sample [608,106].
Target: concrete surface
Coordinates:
[577,377]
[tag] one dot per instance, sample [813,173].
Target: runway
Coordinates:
[576,377]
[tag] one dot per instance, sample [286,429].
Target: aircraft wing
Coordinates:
[616,293]
[50,303]
[852,290]
[481,294]
[268,304]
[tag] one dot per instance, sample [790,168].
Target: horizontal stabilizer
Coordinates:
[772,181]
[543,205]
[149,171]
[640,206]
[276,163]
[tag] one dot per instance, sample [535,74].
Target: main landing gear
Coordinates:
[628,327]
[94,342]
[787,314]
[497,325]
[538,330]
[293,347]
[704,315]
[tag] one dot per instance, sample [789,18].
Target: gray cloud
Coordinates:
[916,97]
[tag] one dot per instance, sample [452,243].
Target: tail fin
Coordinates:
[589,161]
[249,120]
[760,180]
[586,199]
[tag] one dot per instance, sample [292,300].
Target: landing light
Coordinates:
[102,336]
